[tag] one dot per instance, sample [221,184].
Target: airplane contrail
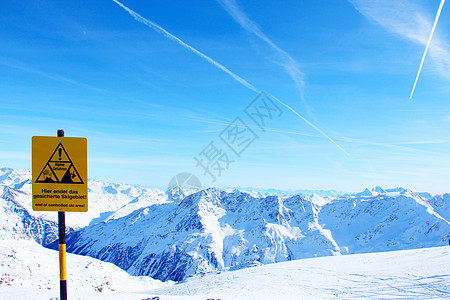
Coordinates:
[285,60]
[167,34]
[427,46]
[241,80]
[309,123]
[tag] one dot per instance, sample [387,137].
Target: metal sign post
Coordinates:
[62,247]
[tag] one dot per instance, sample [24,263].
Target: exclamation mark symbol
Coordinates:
[59,152]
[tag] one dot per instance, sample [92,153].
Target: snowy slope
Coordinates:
[408,274]
[32,271]
[29,271]
[214,231]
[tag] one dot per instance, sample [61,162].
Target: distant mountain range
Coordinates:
[212,230]
[284,193]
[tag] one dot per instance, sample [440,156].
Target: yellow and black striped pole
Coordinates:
[62,248]
[62,255]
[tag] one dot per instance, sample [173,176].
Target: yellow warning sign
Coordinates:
[59,173]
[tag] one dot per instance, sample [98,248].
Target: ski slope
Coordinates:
[30,271]
[407,274]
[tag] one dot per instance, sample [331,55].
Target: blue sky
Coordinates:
[149,106]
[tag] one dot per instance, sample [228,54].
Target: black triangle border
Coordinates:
[71,165]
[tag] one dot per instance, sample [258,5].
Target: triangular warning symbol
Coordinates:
[71,176]
[60,154]
[47,175]
[59,169]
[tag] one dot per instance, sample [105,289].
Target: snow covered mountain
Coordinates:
[440,204]
[209,230]
[144,233]
[262,192]
[391,220]
[214,230]
[17,219]
[106,201]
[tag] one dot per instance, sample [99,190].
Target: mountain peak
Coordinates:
[378,189]
[207,195]
[366,193]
